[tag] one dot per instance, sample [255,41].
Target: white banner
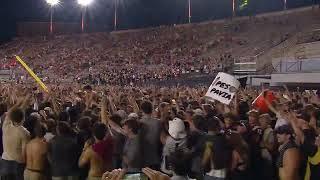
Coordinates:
[223,88]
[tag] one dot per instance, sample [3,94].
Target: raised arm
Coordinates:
[106,120]
[89,99]
[21,103]
[55,105]
[314,98]
[293,120]
[113,107]
[134,104]
[25,139]
[104,113]
[25,102]
[235,109]
[287,91]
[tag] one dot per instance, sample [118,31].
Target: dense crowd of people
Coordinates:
[167,133]
[135,57]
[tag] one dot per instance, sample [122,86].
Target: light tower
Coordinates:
[84,4]
[52,3]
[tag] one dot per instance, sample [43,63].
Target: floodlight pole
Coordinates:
[233,8]
[189,9]
[115,15]
[284,5]
[83,13]
[51,19]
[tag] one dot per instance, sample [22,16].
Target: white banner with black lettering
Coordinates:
[223,88]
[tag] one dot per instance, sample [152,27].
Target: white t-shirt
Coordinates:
[14,139]
[280,121]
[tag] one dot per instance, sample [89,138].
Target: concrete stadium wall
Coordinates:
[42,28]
[296,78]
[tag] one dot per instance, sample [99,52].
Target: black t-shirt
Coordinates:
[64,152]
[196,142]
[83,136]
[119,141]
[253,140]
[308,147]
[222,154]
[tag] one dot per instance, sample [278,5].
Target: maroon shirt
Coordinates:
[104,149]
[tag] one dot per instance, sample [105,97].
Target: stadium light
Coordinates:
[233,8]
[115,14]
[84,4]
[52,3]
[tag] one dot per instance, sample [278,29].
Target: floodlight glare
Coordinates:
[53,2]
[84,2]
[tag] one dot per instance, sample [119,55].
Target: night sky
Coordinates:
[132,13]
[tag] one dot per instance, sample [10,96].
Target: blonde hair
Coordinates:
[266,117]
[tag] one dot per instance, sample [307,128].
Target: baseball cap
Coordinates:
[284,129]
[177,129]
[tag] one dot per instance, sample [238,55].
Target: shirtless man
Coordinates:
[289,155]
[36,155]
[99,154]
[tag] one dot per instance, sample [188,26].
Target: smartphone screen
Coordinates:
[135,176]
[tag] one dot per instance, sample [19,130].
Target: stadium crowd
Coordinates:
[135,57]
[104,132]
